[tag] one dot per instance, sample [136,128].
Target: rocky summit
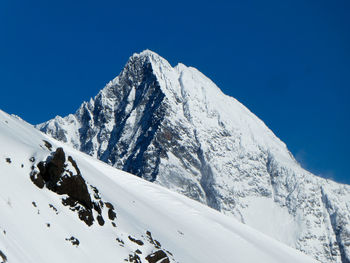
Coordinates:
[173,126]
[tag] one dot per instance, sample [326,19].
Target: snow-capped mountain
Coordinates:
[173,126]
[60,205]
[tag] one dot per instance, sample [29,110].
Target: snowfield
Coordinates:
[152,224]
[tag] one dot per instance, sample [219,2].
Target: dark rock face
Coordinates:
[138,91]
[134,258]
[100,220]
[55,178]
[3,257]
[148,97]
[158,256]
[111,214]
[55,174]
[37,179]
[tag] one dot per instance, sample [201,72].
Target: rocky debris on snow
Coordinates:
[48,145]
[152,241]
[158,255]
[139,242]
[73,240]
[120,241]
[53,208]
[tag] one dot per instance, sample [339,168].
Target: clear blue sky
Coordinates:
[287,61]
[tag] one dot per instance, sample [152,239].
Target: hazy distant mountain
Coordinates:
[174,127]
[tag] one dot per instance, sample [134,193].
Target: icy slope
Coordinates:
[37,226]
[175,127]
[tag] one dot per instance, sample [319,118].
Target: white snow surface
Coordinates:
[208,146]
[191,231]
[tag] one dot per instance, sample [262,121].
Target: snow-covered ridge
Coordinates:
[175,127]
[142,222]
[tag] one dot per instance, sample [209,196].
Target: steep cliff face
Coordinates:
[174,127]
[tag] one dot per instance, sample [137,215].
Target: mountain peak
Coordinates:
[152,57]
[174,127]
[146,53]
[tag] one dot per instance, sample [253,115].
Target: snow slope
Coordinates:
[173,126]
[35,224]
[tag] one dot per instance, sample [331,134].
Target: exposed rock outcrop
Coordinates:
[65,178]
[3,257]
